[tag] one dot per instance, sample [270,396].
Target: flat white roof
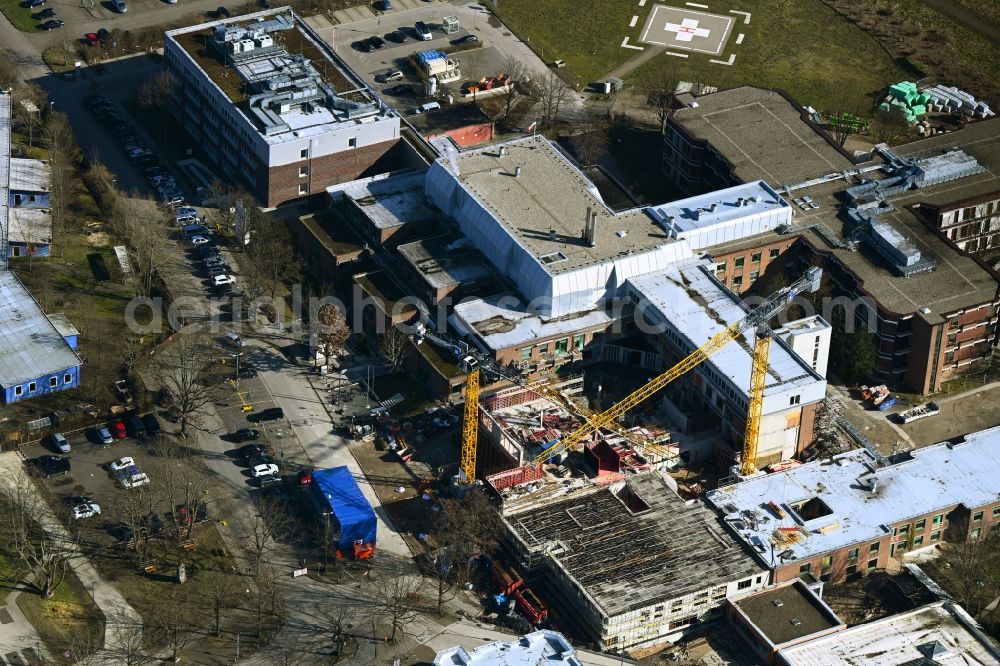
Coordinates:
[943,633]
[503,321]
[815,324]
[732,213]
[30,345]
[532,649]
[29,175]
[698,307]
[863,501]
[388,200]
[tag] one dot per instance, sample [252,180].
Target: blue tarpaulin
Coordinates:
[353,513]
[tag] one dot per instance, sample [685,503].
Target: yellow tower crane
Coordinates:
[756,319]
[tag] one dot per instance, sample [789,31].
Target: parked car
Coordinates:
[55,466]
[247,435]
[121,463]
[102,435]
[60,443]
[182,514]
[377,42]
[466,39]
[118,430]
[384,5]
[270,414]
[390,76]
[134,481]
[362,45]
[119,6]
[222,12]
[85,509]
[222,280]
[152,425]
[233,339]
[423,32]
[153,523]
[31,4]
[400,90]
[135,427]
[268,480]
[267,469]
[194,230]
[259,459]
[48,12]
[53,24]
[164,397]
[304,477]
[198,240]
[397,36]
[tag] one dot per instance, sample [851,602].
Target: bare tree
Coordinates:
[552,92]
[63,154]
[44,554]
[182,368]
[970,575]
[133,509]
[124,640]
[183,481]
[173,627]
[157,91]
[10,76]
[258,528]
[888,127]
[399,602]
[144,227]
[27,109]
[272,260]
[330,331]
[592,139]
[394,347]
[220,592]
[516,70]
[660,91]
[469,526]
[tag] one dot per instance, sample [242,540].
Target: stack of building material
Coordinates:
[904,98]
[950,98]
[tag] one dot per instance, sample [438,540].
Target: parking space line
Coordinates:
[635,19]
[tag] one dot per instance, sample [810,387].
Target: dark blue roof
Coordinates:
[352,511]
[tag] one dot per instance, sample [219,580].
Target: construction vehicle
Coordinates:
[755,320]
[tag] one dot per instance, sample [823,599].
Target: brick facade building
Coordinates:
[272,107]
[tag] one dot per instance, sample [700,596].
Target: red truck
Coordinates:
[530,607]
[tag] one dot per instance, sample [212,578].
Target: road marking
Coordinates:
[745,15]
[635,19]
[626,45]
[676,55]
[732,59]
[739,38]
[693,4]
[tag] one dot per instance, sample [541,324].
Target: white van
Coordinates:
[423,32]
[429,106]
[233,340]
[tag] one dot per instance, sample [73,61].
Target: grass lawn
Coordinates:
[60,58]
[19,16]
[65,618]
[586,35]
[801,46]
[6,585]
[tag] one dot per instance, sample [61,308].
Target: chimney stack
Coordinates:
[590,227]
[552,234]
[517,172]
[503,151]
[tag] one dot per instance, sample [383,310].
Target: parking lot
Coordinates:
[487,59]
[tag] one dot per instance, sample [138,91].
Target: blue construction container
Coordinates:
[350,512]
[431,54]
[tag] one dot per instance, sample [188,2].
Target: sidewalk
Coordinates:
[111,603]
[17,636]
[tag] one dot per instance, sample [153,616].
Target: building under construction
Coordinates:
[630,564]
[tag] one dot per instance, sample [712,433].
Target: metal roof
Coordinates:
[30,345]
[29,175]
[503,321]
[864,502]
[29,225]
[690,301]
